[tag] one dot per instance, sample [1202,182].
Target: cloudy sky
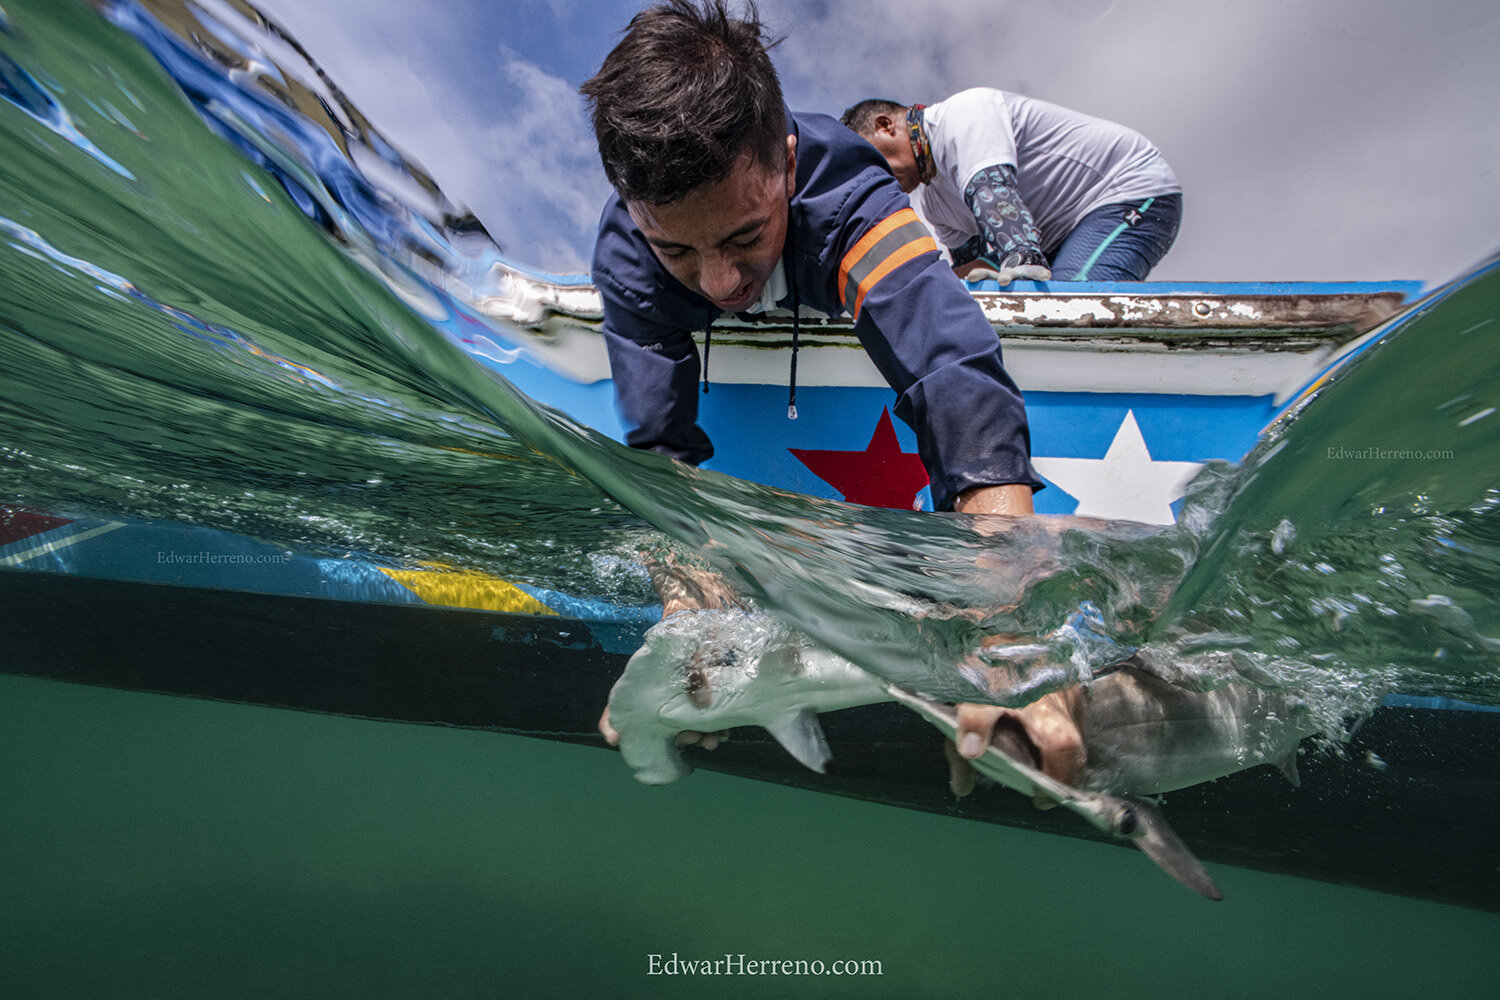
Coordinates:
[1315,139]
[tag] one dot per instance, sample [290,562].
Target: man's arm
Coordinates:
[655,373]
[932,343]
[653,360]
[1013,241]
[1011,498]
[654,367]
[1048,727]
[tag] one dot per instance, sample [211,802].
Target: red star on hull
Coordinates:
[880,476]
[18,524]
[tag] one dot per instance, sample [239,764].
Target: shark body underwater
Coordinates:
[714,670]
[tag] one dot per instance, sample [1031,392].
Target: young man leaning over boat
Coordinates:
[727,202]
[1026,189]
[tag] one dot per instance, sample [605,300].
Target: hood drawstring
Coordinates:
[708,333]
[708,339]
[791,402]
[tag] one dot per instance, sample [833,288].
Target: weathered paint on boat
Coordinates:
[1129,387]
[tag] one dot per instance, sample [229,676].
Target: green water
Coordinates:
[159,847]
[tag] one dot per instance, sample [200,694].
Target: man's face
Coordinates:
[723,240]
[893,143]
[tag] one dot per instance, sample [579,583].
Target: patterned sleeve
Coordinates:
[994,197]
[972,249]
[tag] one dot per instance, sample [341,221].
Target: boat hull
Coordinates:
[1126,385]
[1422,825]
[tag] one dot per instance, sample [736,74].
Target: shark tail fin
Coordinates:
[802,737]
[1161,845]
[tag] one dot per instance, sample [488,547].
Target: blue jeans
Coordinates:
[1119,242]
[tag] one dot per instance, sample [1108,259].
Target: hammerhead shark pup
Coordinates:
[707,671]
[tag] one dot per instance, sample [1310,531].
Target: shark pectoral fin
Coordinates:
[1171,855]
[802,737]
[1288,767]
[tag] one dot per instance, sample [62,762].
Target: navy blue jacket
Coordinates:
[853,245]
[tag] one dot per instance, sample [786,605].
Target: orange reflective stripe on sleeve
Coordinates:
[880,230]
[892,242]
[915,248]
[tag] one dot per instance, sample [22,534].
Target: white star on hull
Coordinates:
[1126,484]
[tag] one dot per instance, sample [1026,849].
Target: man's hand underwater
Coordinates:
[707,741]
[683,589]
[1044,734]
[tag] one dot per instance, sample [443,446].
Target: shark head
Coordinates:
[703,671]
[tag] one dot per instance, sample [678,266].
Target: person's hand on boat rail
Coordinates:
[981,270]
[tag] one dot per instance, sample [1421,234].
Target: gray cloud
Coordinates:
[501,134]
[1344,139]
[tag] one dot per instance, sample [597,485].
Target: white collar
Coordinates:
[775,290]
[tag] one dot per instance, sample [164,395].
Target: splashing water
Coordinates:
[225,300]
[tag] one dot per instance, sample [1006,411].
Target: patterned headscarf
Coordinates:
[921,147]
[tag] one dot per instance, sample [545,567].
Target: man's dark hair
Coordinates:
[861,117]
[689,90]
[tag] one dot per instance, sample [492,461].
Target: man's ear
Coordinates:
[791,165]
[885,123]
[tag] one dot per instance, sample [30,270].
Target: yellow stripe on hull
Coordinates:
[450,589]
